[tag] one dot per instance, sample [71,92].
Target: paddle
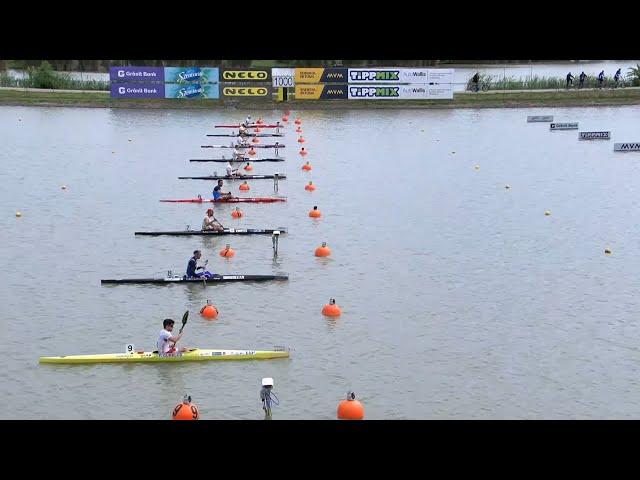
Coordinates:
[184,321]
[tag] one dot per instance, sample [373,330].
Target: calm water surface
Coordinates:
[460,298]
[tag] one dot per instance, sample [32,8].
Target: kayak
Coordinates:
[245,159]
[200,280]
[230,200]
[253,125]
[242,147]
[194,355]
[226,231]
[258,135]
[242,177]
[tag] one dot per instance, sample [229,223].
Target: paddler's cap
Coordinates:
[210,211]
[267,382]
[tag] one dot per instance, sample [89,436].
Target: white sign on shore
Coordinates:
[595,136]
[626,147]
[540,118]
[564,126]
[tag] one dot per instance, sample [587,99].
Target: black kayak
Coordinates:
[226,231]
[244,177]
[246,159]
[205,281]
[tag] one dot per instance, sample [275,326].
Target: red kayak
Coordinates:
[255,125]
[230,200]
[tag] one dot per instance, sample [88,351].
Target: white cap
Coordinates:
[267,382]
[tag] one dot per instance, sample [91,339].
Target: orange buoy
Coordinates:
[323,250]
[298,121]
[248,167]
[306,166]
[237,213]
[315,213]
[300,139]
[303,152]
[244,186]
[251,152]
[209,311]
[259,121]
[227,252]
[331,309]
[255,140]
[287,112]
[285,119]
[310,187]
[350,409]
[186,410]
[298,130]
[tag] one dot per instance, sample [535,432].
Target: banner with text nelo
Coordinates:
[321,75]
[321,92]
[188,75]
[257,92]
[192,90]
[137,90]
[245,75]
[136,74]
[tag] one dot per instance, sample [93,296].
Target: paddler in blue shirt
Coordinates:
[192,267]
[218,194]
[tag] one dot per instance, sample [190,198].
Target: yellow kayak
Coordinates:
[194,355]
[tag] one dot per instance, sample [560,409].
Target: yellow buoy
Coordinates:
[63,187]
[18,214]
[547,213]
[607,251]
[477,167]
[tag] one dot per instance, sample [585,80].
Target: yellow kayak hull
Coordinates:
[195,355]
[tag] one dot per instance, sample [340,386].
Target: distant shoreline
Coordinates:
[491,99]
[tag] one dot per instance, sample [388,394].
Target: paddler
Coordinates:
[167,341]
[192,266]
[278,126]
[240,142]
[276,146]
[218,194]
[211,223]
[242,131]
[231,172]
[247,122]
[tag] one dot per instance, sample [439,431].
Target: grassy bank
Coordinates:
[580,98]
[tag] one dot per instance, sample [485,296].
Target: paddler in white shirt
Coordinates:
[232,172]
[211,223]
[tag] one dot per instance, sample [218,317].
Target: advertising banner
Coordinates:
[137,90]
[321,92]
[257,92]
[283,77]
[191,75]
[401,92]
[564,126]
[245,75]
[438,76]
[321,75]
[595,136]
[540,118]
[434,76]
[192,90]
[626,147]
[136,74]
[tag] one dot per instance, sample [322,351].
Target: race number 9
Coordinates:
[130,348]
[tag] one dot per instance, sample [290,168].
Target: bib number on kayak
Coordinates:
[130,348]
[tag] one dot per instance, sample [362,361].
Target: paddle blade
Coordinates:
[184,320]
